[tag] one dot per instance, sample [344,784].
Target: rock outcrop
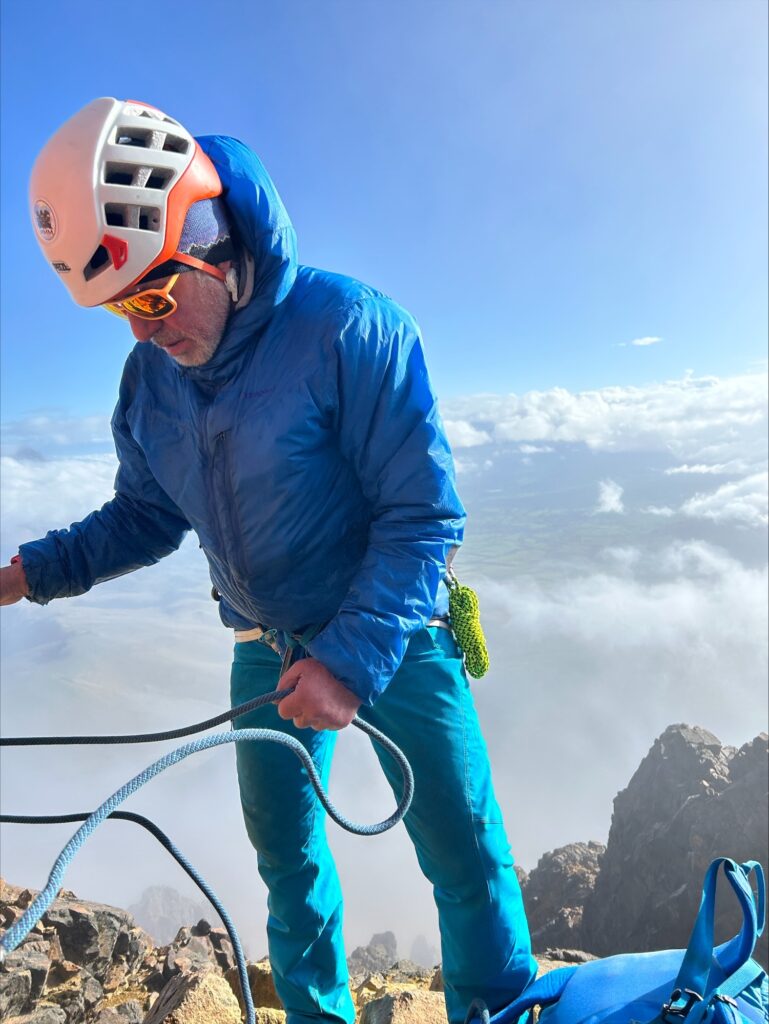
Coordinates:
[690,800]
[86,963]
[377,956]
[555,893]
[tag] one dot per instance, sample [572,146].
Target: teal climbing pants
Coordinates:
[454,822]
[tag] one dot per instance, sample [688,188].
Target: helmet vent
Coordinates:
[145,218]
[127,174]
[97,263]
[175,144]
[152,138]
[135,137]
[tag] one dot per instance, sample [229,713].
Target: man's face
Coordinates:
[192,333]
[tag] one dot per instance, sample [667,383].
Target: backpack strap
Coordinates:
[737,951]
[693,980]
[726,992]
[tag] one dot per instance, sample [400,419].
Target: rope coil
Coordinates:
[19,930]
[464,612]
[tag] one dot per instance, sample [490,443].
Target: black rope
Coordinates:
[148,737]
[181,860]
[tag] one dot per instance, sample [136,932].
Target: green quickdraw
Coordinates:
[466,624]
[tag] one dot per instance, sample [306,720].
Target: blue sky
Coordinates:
[538,183]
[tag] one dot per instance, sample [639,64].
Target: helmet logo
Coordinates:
[61,267]
[45,220]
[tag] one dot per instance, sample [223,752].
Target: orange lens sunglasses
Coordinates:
[150,304]
[158,303]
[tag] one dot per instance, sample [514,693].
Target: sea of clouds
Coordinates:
[617,539]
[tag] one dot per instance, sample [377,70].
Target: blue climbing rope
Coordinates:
[21,928]
[14,935]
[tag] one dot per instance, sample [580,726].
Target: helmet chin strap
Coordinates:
[231,283]
[241,284]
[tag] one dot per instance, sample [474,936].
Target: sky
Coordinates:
[571,199]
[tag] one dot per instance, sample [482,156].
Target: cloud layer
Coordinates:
[695,418]
[605,622]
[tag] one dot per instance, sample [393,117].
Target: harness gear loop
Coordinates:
[464,612]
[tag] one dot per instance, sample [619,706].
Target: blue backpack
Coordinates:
[698,985]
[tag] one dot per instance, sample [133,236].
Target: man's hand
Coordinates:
[13,583]
[319,700]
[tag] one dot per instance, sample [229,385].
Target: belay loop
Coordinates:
[464,613]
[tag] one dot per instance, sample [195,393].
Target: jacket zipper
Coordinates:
[227,523]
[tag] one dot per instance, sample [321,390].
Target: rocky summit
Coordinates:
[85,963]
[690,800]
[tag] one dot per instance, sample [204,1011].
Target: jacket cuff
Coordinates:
[42,567]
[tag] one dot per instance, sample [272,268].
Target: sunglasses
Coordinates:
[158,303]
[149,304]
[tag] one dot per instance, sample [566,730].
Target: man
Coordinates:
[284,414]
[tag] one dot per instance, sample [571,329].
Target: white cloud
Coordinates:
[640,342]
[744,501]
[702,468]
[534,449]
[56,428]
[707,420]
[610,497]
[39,495]
[625,558]
[465,435]
[464,466]
[588,669]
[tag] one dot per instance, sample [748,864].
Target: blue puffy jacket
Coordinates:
[308,455]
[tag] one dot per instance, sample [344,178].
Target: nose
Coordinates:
[143,329]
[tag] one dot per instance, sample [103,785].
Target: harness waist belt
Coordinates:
[244,636]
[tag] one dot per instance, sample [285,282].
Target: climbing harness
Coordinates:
[464,613]
[18,931]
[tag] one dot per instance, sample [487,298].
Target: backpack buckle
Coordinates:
[721,998]
[681,1010]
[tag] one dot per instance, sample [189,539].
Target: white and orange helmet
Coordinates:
[109,194]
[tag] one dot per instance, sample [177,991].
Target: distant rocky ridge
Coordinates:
[161,911]
[690,800]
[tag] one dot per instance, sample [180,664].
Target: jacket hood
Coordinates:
[264,227]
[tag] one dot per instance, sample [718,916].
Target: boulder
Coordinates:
[42,1015]
[199,998]
[260,982]
[412,1006]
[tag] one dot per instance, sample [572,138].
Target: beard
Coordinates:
[205,315]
